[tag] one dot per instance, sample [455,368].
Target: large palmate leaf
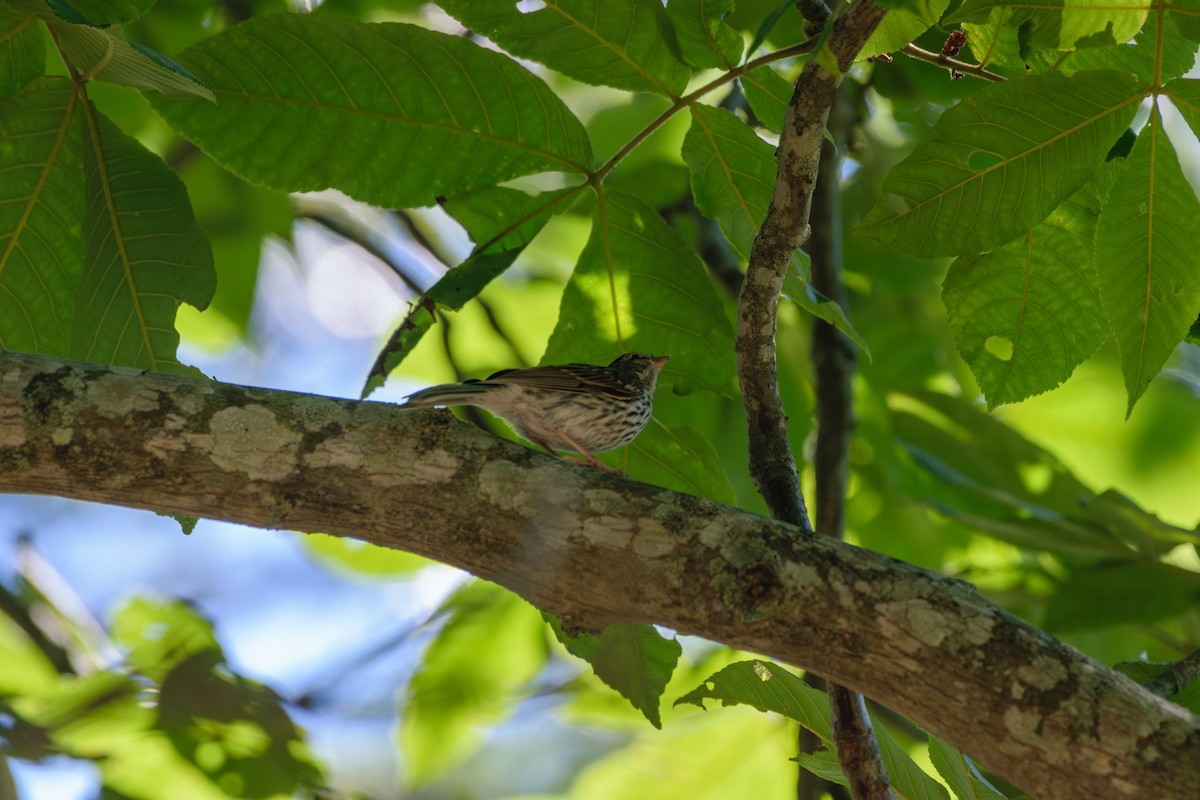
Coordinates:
[1027,314]
[629,45]
[501,221]
[960,773]
[306,103]
[1001,160]
[639,287]
[704,38]
[1060,25]
[41,214]
[100,12]
[1151,58]
[144,254]
[1147,261]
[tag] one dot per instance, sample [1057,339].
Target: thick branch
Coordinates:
[595,549]
[784,229]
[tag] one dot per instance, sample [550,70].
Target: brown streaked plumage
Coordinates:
[568,407]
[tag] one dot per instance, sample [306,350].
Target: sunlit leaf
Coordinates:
[960,773]
[1146,257]
[987,476]
[1148,56]
[679,458]
[635,660]
[767,687]
[156,636]
[629,45]
[704,38]
[144,254]
[493,644]
[501,222]
[770,687]
[1058,25]
[307,102]
[41,216]
[638,287]
[1026,315]
[1000,161]
[903,25]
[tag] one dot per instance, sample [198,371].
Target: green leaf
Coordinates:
[22,51]
[105,54]
[24,668]
[902,25]
[1186,16]
[156,636]
[704,38]
[639,287]
[960,773]
[768,94]
[144,254]
[679,458]
[770,687]
[635,660]
[1054,24]
[308,103]
[1150,58]
[802,293]
[629,45]
[501,221]
[362,558]
[493,644]
[972,186]
[733,177]
[41,216]
[767,687]
[1146,257]
[1026,315]
[234,730]
[1112,594]
[986,475]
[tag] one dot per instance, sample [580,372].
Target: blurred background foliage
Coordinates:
[136,663]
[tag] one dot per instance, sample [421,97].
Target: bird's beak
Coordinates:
[659,361]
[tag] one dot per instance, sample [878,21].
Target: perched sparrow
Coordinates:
[579,407]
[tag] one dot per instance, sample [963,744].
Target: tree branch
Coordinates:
[784,229]
[595,549]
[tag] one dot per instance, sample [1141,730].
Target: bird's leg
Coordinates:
[591,459]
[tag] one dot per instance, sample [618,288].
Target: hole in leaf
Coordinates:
[530,6]
[979,160]
[999,346]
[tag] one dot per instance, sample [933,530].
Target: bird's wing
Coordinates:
[563,378]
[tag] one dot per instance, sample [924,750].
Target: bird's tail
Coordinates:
[466,393]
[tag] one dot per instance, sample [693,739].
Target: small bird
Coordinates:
[581,407]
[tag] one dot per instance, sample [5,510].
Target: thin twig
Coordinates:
[952,64]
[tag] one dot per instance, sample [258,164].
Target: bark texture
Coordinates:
[595,549]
